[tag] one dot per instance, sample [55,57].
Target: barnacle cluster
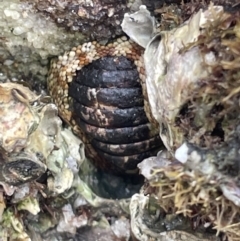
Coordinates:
[32,32]
[28,40]
[96,19]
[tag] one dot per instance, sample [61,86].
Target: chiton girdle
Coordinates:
[106,103]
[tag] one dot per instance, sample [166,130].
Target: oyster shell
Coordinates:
[17,119]
[193,89]
[40,165]
[32,140]
[13,228]
[183,66]
[139,26]
[150,223]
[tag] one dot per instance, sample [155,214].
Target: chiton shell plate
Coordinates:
[100,91]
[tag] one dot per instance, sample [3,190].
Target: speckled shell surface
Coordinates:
[100,91]
[19,122]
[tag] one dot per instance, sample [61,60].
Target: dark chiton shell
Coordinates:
[103,101]
[118,129]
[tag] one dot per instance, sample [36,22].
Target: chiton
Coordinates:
[100,91]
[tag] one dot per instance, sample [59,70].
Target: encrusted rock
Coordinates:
[96,19]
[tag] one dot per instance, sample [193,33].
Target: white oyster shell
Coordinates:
[17,118]
[69,222]
[192,79]
[145,232]
[139,26]
[169,73]
[47,134]
[65,161]
[30,204]
[31,132]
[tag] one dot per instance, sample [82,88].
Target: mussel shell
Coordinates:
[21,169]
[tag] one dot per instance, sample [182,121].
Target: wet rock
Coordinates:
[96,19]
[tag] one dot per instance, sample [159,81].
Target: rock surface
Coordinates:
[34,31]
